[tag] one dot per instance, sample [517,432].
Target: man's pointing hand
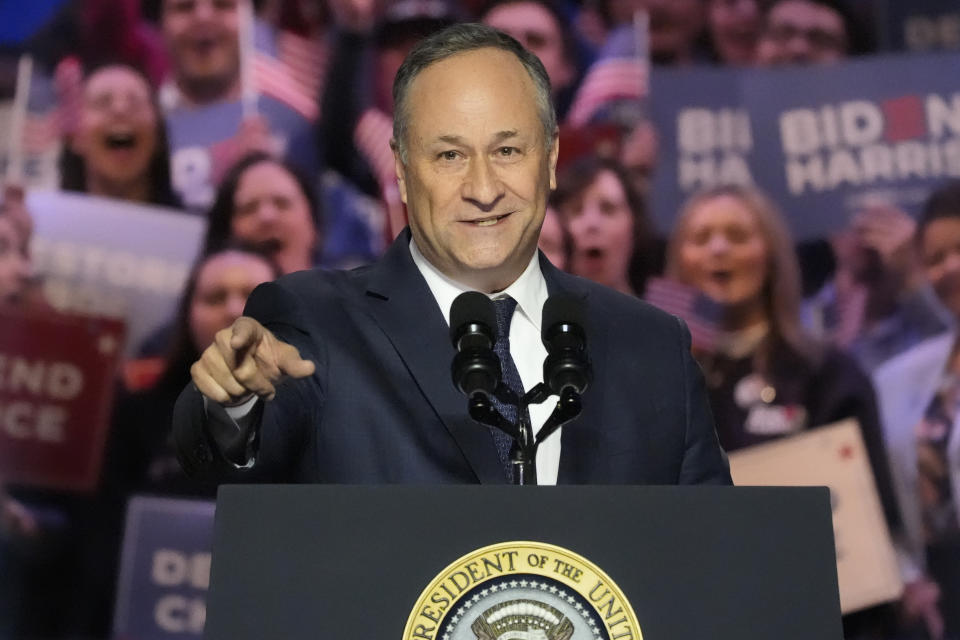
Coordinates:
[245,360]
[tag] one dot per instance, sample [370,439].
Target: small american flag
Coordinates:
[275,78]
[306,59]
[621,73]
[701,314]
[608,80]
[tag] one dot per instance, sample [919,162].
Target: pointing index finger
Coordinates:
[246,333]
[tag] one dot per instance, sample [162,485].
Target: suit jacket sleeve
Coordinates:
[704,461]
[279,433]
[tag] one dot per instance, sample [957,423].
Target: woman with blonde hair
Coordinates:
[766,377]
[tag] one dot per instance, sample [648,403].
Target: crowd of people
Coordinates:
[155,108]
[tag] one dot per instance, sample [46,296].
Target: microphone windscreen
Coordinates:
[566,308]
[472,307]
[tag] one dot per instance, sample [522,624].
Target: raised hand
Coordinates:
[246,360]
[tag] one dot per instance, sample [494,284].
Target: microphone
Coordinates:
[473,322]
[567,366]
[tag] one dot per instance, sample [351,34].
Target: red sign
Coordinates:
[57,377]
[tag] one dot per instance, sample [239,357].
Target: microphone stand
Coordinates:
[523,454]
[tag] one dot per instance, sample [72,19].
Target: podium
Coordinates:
[477,562]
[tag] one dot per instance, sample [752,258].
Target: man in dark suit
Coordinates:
[364,356]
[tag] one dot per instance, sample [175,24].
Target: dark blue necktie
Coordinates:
[505,307]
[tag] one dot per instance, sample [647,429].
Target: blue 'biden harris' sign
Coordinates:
[705,135]
[165,570]
[831,140]
[823,141]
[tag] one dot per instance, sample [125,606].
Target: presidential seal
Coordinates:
[522,591]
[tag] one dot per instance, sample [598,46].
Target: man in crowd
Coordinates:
[207,126]
[364,356]
[803,32]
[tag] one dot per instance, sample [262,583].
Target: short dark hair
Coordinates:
[220,215]
[944,202]
[461,38]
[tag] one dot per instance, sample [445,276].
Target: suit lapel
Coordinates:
[580,439]
[403,306]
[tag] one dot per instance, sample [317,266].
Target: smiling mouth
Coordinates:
[488,222]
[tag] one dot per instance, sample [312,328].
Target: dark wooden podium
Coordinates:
[351,562]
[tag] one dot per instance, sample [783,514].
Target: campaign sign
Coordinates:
[113,258]
[922,25]
[706,137]
[56,385]
[824,142]
[832,140]
[164,569]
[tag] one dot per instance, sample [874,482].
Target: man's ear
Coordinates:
[552,159]
[400,170]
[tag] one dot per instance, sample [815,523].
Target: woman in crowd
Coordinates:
[610,238]
[266,203]
[919,393]
[140,455]
[119,149]
[214,297]
[766,378]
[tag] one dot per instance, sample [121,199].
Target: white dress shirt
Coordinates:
[526,348]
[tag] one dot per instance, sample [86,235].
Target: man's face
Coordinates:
[536,29]
[201,36]
[478,168]
[802,32]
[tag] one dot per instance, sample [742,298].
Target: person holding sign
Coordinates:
[344,377]
[804,32]
[919,401]
[766,378]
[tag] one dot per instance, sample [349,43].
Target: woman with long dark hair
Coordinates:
[139,456]
[611,241]
[119,148]
[266,203]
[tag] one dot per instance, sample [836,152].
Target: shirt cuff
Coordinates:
[238,411]
[238,417]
